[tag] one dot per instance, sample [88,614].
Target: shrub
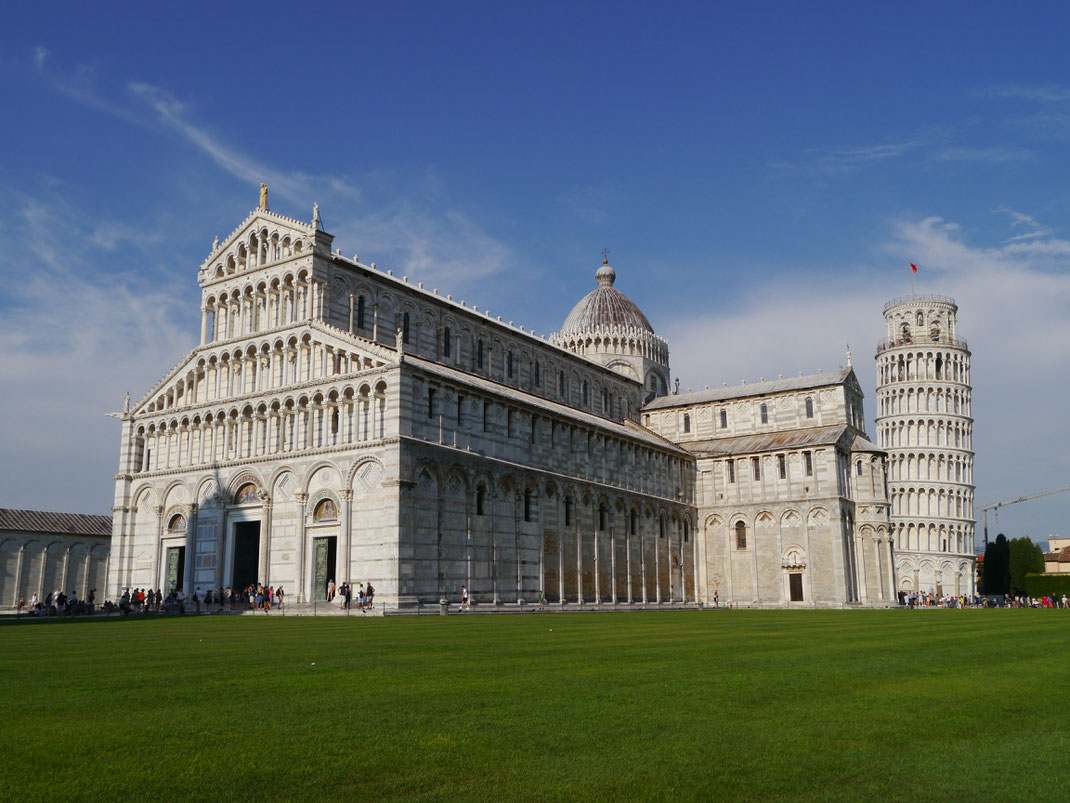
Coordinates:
[1047,585]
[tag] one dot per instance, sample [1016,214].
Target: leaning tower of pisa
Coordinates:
[925,424]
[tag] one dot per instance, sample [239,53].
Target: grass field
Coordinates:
[922,705]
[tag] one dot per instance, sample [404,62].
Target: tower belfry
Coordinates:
[925,423]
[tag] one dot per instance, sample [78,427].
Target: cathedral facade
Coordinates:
[339,423]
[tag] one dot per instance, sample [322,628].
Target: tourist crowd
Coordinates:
[911,599]
[56,603]
[344,594]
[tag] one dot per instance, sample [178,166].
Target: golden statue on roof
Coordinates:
[263,196]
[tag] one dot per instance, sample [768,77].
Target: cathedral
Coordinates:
[339,423]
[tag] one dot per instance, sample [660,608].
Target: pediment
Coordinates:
[276,235]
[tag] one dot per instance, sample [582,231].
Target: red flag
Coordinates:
[913,267]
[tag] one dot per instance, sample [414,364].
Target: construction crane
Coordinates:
[998,505]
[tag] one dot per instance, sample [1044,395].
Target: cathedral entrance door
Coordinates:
[246,554]
[176,564]
[324,555]
[795,587]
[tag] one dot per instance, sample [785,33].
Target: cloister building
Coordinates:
[337,422]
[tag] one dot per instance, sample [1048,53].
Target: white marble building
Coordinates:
[925,424]
[337,422]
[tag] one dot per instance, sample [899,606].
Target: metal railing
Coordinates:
[923,297]
[924,340]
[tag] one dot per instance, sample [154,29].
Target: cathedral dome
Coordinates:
[604,309]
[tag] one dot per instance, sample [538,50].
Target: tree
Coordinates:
[1024,557]
[997,566]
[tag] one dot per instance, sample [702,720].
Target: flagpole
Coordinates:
[912,284]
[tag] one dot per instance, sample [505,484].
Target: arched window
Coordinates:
[325,511]
[360,312]
[809,407]
[858,466]
[479,355]
[177,524]
[246,494]
[447,342]
[634,524]
[509,364]
[687,531]
[405,327]
[536,374]
[430,402]
[661,527]
[586,393]
[731,470]
[568,511]
[741,535]
[687,423]
[603,513]
[765,413]
[724,419]
[920,319]
[481,496]
[527,505]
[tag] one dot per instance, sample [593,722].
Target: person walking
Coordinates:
[542,600]
[360,597]
[464,598]
[368,594]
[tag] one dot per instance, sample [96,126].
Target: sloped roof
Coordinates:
[1060,556]
[766,442]
[861,444]
[757,389]
[40,521]
[628,429]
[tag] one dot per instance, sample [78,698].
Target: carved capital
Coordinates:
[301,497]
[158,510]
[347,495]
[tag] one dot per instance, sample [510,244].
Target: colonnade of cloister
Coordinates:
[349,414]
[41,563]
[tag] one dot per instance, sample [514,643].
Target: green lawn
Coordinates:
[922,705]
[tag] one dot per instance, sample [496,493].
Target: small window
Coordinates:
[687,423]
[765,414]
[509,423]
[586,393]
[486,416]
[447,342]
[782,464]
[809,407]
[479,355]
[568,512]
[741,535]
[603,513]
[605,402]
[360,312]
[634,525]
[325,511]
[724,419]
[481,499]
[431,403]
[537,372]
[560,383]
[756,464]
[405,327]
[661,527]
[534,422]
[858,467]
[808,459]
[509,364]
[731,470]
[687,531]
[527,505]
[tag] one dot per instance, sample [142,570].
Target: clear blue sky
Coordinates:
[761,172]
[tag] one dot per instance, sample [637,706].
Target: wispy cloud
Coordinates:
[1039,93]
[74,339]
[590,204]
[994,155]
[848,159]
